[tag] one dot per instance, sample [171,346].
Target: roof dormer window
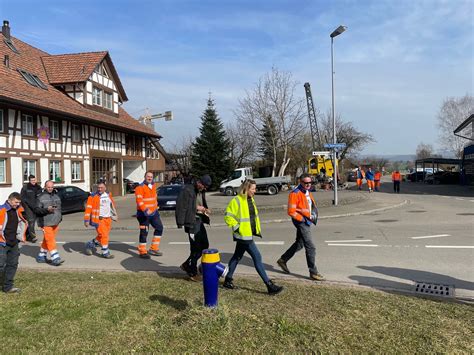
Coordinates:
[32,79]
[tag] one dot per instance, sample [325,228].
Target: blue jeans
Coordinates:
[145,221]
[251,248]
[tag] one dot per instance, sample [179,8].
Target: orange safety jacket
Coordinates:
[147,199]
[92,212]
[298,207]
[377,175]
[396,176]
[22,223]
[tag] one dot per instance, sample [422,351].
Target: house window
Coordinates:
[76,133]
[54,129]
[97,96]
[29,168]
[76,170]
[32,79]
[55,170]
[2,123]
[3,170]
[26,125]
[108,102]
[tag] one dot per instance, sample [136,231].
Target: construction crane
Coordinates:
[147,118]
[313,122]
[320,162]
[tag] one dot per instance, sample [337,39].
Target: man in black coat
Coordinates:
[29,194]
[191,213]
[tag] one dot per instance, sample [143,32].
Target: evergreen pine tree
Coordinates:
[211,151]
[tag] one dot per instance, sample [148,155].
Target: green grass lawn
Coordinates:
[143,312]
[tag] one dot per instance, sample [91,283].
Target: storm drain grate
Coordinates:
[416,211]
[465,214]
[427,288]
[386,220]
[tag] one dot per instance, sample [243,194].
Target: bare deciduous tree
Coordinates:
[346,133]
[181,156]
[274,96]
[452,113]
[243,146]
[424,151]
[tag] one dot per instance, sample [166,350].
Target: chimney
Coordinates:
[6,60]
[6,29]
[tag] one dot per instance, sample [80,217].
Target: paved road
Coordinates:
[427,236]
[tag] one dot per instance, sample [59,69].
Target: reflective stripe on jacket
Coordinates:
[237,216]
[298,206]
[146,199]
[22,224]
[92,212]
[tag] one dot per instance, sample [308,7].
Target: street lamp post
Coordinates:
[335,33]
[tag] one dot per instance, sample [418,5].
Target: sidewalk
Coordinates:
[272,209]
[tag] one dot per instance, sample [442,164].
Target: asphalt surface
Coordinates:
[386,240]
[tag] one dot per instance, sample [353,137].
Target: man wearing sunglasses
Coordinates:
[303,212]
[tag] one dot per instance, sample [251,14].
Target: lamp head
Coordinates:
[338,31]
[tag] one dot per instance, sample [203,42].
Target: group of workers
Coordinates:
[373,179]
[20,213]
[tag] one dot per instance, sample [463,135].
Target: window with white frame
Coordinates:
[76,133]
[96,96]
[55,170]
[29,168]
[76,173]
[54,129]
[3,170]
[108,100]
[27,125]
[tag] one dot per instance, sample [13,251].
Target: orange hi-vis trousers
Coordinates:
[103,232]
[359,183]
[370,184]
[49,242]
[144,223]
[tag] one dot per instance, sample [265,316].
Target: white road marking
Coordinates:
[432,236]
[112,242]
[179,243]
[459,199]
[349,241]
[471,200]
[445,196]
[450,246]
[353,245]
[278,242]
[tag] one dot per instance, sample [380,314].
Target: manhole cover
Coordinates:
[433,289]
[416,211]
[386,220]
[465,214]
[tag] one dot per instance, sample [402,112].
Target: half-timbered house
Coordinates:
[61,119]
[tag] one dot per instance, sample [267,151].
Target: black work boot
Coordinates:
[272,288]
[228,284]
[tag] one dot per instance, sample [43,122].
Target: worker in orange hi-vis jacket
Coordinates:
[360,175]
[377,177]
[396,178]
[100,212]
[147,213]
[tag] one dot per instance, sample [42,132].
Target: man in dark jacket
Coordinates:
[29,193]
[13,227]
[191,213]
[49,214]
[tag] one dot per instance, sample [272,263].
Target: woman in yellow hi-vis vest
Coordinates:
[242,216]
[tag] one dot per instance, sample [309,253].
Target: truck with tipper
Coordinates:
[270,185]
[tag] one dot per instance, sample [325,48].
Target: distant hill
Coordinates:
[393,157]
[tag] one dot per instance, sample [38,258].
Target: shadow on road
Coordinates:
[409,275]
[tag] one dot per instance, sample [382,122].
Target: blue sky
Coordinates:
[394,65]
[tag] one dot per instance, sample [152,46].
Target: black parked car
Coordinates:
[167,196]
[352,176]
[73,199]
[130,185]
